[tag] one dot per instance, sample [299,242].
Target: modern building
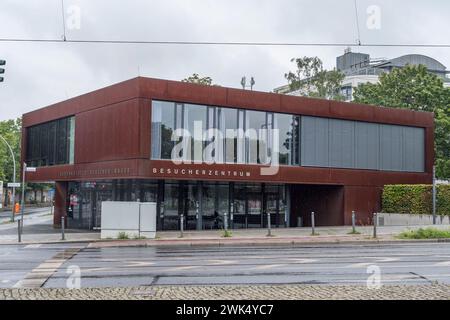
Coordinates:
[120,143]
[360,68]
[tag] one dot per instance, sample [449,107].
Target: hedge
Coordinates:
[415,199]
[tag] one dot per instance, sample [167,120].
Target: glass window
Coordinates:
[228,125]
[61,144]
[240,149]
[148,191]
[163,125]
[295,156]
[239,205]
[214,204]
[51,143]
[171,206]
[256,143]
[71,140]
[287,138]
[195,123]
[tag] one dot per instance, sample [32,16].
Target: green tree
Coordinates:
[11,131]
[312,80]
[195,78]
[414,88]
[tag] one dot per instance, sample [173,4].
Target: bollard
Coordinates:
[353,222]
[225,221]
[232,215]
[181,225]
[19,231]
[269,231]
[313,223]
[63,237]
[375,223]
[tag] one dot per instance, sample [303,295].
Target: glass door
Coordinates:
[239,206]
[170,206]
[191,204]
[101,195]
[271,207]
[254,206]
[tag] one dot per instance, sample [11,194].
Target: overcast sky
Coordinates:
[39,74]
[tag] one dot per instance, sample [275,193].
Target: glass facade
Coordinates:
[255,125]
[51,143]
[163,126]
[238,136]
[205,205]
[246,136]
[288,138]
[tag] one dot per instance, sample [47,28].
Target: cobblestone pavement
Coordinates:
[243,292]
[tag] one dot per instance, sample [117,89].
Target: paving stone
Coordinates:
[247,292]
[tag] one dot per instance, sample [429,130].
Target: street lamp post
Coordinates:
[22,201]
[14,177]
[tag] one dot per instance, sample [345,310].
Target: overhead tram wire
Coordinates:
[219,43]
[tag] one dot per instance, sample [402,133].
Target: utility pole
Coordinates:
[434,194]
[14,177]
[25,170]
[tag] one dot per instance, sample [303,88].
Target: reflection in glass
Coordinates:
[171,209]
[163,125]
[254,205]
[256,144]
[214,204]
[239,196]
[195,115]
[228,126]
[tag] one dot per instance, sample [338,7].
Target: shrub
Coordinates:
[227,234]
[415,199]
[427,233]
[123,236]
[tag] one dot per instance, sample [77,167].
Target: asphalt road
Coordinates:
[315,264]
[27,211]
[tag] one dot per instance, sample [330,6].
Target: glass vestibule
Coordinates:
[204,204]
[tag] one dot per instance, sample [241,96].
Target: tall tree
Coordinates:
[195,78]
[11,131]
[414,88]
[312,80]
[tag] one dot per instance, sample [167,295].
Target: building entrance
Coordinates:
[204,204]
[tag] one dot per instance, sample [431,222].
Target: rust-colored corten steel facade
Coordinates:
[113,142]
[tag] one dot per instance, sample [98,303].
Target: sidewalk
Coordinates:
[290,236]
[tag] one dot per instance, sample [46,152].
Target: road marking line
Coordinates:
[442,264]
[39,275]
[33,246]
[139,264]
[220,262]
[182,268]
[95,269]
[381,259]
[302,260]
[359,265]
[269,266]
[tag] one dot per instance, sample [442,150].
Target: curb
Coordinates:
[254,242]
[300,241]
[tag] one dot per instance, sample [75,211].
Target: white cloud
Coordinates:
[39,74]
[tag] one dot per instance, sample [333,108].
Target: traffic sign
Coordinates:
[13,185]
